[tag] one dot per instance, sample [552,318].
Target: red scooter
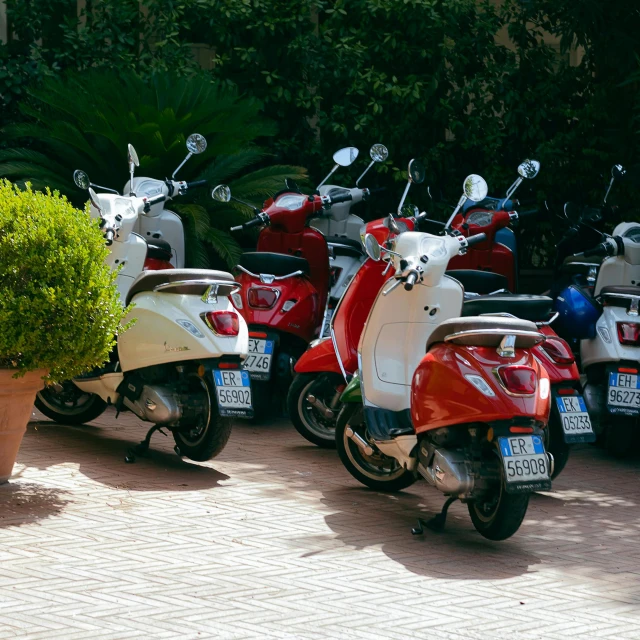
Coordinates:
[313,401]
[285,284]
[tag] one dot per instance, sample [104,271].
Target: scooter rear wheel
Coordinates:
[556,445]
[378,471]
[67,404]
[207,437]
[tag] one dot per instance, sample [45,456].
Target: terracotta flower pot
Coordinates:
[16,403]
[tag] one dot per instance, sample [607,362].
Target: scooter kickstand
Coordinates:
[143,447]
[437,522]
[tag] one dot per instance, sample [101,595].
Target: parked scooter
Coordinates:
[469,415]
[323,370]
[179,365]
[285,284]
[604,318]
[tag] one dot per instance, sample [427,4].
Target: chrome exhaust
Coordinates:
[320,406]
[361,443]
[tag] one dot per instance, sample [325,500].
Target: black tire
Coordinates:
[500,515]
[66,404]
[620,436]
[307,420]
[209,437]
[556,445]
[262,392]
[367,470]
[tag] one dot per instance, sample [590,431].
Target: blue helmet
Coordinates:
[578,311]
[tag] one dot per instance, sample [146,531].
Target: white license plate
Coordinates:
[574,417]
[233,390]
[258,361]
[623,394]
[524,458]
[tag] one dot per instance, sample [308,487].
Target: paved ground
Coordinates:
[273,539]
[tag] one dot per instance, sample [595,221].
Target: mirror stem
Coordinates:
[246,204]
[462,200]
[330,174]
[404,196]
[606,195]
[173,175]
[365,171]
[97,186]
[511,190]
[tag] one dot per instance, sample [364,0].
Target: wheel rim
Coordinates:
[377,466]
[66,399]
[194,435]
[318,425]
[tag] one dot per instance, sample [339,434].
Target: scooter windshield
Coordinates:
[291,201]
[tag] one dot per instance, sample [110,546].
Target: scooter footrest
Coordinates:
[383,424]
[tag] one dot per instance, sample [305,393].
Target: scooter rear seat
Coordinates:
[526,307]
[619,291]
[274,264]
[149,280]
[482,331]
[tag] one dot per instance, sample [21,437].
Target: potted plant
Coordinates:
[59,307]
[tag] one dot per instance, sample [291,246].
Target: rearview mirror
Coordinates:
[378,153]
[81,179]
[417,171]
[133,163]
[409,210]
[345,157]
[618,172]
[196,143]
[529,169]
[372,247]
[221,193]
[475,188]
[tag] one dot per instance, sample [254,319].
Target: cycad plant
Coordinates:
[84,121]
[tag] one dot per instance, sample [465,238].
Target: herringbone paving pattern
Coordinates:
[274,539]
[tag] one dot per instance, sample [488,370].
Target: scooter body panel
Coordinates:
[348,227]
[599,349]
[301,320]
[320,358]
[441,395]
[169,327]
[343,268]
[620,270]
[129,256]
[558,372]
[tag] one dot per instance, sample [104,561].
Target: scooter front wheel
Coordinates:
[375,471]
[209,434]
[310,403]
[67,404]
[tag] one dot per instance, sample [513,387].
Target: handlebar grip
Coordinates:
[345,197]
[109,237]
[255,222]
[156,199]
[196,183]
[599,250]
[238,228]
[476,239]
[411,280]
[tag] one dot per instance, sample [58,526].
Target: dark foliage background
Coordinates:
[435,79]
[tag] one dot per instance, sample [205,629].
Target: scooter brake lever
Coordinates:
[397,283]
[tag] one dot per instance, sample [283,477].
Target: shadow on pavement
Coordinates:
[100,457]
[22,503]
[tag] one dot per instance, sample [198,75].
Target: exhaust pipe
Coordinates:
[361,443]
[320,406]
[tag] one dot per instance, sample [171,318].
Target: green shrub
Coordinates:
[59,306]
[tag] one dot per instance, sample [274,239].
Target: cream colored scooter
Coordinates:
[179,365]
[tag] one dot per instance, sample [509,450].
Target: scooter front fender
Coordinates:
[321,357]
[170,327]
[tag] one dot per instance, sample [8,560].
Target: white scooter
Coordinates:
[342,228]
[179,364]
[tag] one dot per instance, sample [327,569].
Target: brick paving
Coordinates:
[273,539]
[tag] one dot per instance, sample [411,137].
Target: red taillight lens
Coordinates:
[558,350]
[629,333]
[224,323]
[262,297]
[518,379]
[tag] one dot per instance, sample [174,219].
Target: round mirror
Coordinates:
[196,143]
[133,156]
[529,169]
[409,210]
[475,187]
[345,157]
[81,179]
[378,152]
[618,172]
[417,171]
[372,247]
[221,193]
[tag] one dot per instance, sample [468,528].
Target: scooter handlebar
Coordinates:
[196,183]
[476,239]
[109,234]
[412,278]
[260,219]
[345,197]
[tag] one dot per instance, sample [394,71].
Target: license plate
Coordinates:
[526,465]
[574,418]
[258,362]
[623,394]
[233,390]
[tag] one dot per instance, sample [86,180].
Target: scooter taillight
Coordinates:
[224,323]
[262,297]
[518,379]
[629,333]
[558,350]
